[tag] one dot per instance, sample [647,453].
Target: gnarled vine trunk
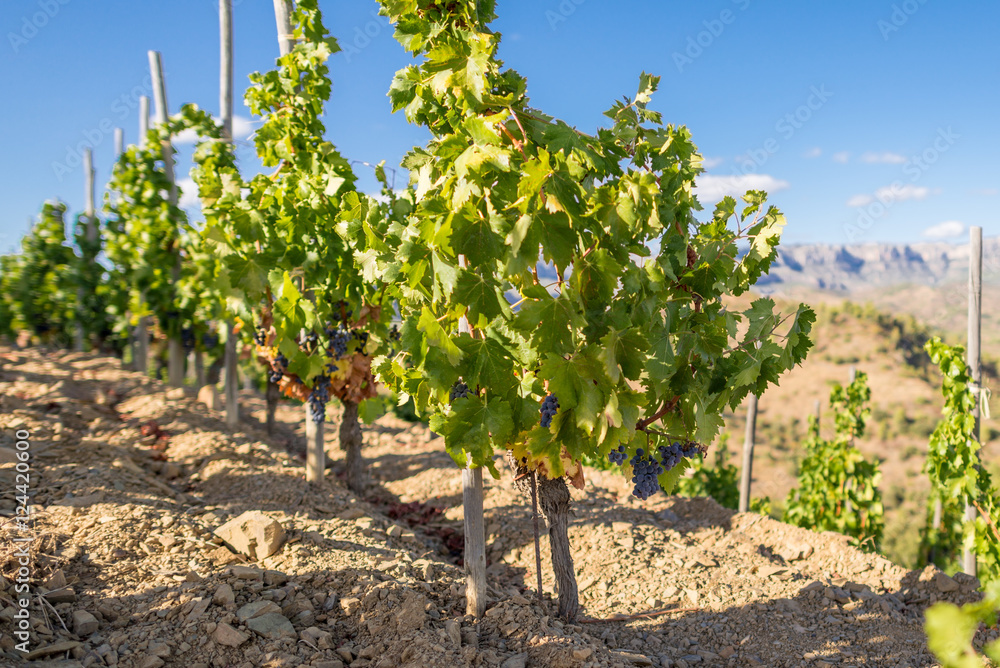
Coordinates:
[271,396]
[553,499]
[350,442]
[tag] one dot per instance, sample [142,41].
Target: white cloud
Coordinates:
[711,188]
[860,200]
[188,194]
[842,157]
[946,230]
[883,158]
[243,127]
[709,163]
[813,153]
[890,195]
[986,192]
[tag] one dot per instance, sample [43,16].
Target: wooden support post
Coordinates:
[475,529]
[230,360]
[175,351]
[141,334]
[283,21]
[853,373]
[91,236]
[746,475]
[973,360]
[119,142]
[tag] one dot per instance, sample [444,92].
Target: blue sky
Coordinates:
[865,120]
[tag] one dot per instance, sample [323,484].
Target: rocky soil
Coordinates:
[130,480]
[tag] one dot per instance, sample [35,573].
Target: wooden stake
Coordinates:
[748,443]
[973,360]
[175,351]
[226,116]
[283,20]
[475,530]
[141,332]
[91,236]
[119,142]
[538,545]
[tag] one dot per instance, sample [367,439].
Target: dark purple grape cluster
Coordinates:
[339,338]
[671,455]
[645,472]
[394,333]
[458,391]
[187,338]
[339,310]
[318,397]
[617,456]
[260,337]
[210,340]
[274,375]
[550,406]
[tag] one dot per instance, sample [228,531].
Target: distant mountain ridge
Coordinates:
[850,267]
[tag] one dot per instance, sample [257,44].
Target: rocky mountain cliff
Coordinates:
[848,268]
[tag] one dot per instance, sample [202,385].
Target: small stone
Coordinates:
[346,654]
[727,652]
[64,595]
[209,396]
[256,609]
[395,531]
[275,578]
[253,533]
[175,394]
[55,581]
[331,663]
[516,661]
[55,648]
[944,583]
[272,626]
[350,605]
[317,638]
[224,595]
[582,654]
[454,631]
[200,606]
[84,623]
[151,661]
[247,573]
[226,635]
[634,658]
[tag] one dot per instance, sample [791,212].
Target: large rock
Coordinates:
[257,609]
[253,533]
[84,623]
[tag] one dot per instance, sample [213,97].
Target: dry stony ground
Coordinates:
[131,574]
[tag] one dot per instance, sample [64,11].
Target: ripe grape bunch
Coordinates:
[618,455]
[394,333]
[318,397]
[339,338]
[260,337]
[210,340]
[550,406]
[458,391]
[645,472]
[274,375]
[187,338]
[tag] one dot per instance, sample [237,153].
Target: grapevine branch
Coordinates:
[641,425]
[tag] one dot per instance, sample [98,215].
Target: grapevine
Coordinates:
[617,287]
[838,487]
[953,465]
